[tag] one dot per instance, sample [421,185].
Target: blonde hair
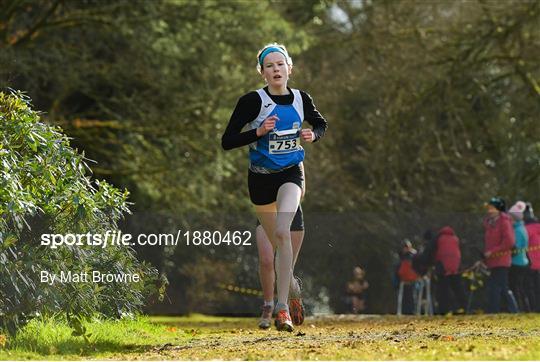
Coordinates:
[288,59]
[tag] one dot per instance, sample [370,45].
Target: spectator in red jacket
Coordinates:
[447,261]
[533,280]
[498,243]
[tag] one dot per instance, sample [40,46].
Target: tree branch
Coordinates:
[40,23]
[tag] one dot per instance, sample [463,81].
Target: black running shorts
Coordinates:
[263,188]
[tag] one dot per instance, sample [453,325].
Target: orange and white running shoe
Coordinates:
[283,321]
[296,307]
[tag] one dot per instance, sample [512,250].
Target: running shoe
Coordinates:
[296,307]
[297,311]
[266,317]
[283,321]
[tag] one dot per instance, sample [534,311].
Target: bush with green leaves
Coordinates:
[44,188]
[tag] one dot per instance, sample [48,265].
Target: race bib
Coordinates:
[284,141]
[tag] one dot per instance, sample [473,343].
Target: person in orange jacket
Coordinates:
[405,273]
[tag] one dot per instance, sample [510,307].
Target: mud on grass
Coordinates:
[323,338]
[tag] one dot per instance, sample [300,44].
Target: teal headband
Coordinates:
[271,50]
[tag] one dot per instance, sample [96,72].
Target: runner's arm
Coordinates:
[246,110]
[313,117]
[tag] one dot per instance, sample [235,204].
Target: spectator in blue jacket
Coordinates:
[519,268]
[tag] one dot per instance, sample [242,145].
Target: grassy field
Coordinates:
[323,338]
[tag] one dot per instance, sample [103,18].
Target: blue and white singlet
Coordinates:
[279,148]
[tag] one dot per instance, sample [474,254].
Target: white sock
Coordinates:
[281,306]
[294,289]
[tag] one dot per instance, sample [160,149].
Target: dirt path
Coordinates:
[358,337]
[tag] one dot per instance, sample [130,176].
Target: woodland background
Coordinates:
[433,107]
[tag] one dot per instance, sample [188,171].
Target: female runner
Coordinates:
[273,117]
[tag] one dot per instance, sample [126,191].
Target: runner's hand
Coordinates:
[267,125]
[307,135]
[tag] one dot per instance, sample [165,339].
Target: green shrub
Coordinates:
[44,189]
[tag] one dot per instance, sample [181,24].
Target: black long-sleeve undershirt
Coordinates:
[247,109]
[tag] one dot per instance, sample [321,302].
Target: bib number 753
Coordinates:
[283,144]
[286,145]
